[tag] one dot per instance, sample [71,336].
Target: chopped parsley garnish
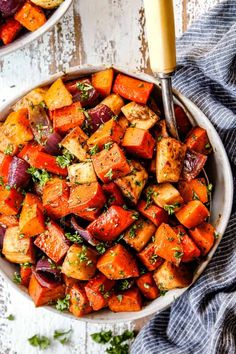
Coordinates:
[102,337]
[124,284]
[178,252]
[10,317]
[62,337]
[208,146]
[1,181]
[132,125]
[163,292]
[171,208]
[216,235]
[63,304]
[209,188]
[26,265]
[117,345]
[83,256]
[93,150]
[153,258]
[119,297]
[39,176]
[135,216]
[9,150]
[17,278]
[195,196]
[101,248]
[109,174]
[149,195]
[65,160]
[84,88]
[107,146]
[74,237]
[39,341]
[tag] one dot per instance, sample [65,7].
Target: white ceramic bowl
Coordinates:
[218,169]
[29,37]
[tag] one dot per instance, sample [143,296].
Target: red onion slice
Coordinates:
[46,281]
[83,91]
[99,115]
[17,175]
[193,164]
[47,266]
[40,124]
[52,144]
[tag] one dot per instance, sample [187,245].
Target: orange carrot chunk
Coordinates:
[102,81]
[204,237]
[9,30]
[5,161]
[190,250]
[139,142]
[109,132]
[149,257]
[31,221]
[198,141]
[43,161]
[153,212]
[195,189]
[98,291]
[129,300]
[114,194]
[10,201]
[55,198]
[25,274]
[67,118]
[147,286]
[192,214]
[30,16]
[79,303]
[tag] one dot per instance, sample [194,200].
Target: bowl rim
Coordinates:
[172,295]
[29,37]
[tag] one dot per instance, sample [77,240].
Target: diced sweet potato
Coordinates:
[102,81]
[69,282]
[138,235]
[203,236]
[75,143]
[67,118]
[111,164]
[17,249]
[132,89]
[190,250]
[149,257]
[129,300]
[43,161]
[118,263]
[53,242]
[168,245]
[82,173]
[169,160]
[132,184]
[114,102]
[166,195]
[33,98]
[168,276]
[192,214]
[42,295]
[111,223]
[139,142]
[139,115]
[30,16]
[147,286]
[80,262]
[79,303]
[9,220]
[57,96]
[123,121]
[6,144]
[5,162]
[198,141]
[113,193]
[55,198]
[195,189]
[98,291]
[154,213]
[25,274]
[9,30]
[10,201]
[110,131]
[31,221]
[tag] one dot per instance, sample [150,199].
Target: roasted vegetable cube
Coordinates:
[154,213]
[30,16]
[114,102]
[43,161]
[139,115]
[195,189]
[82,173]
[31,221]
[33,98]
[139,142]
[6,144]
[79,303]
[190,250]
[192,214]
[107,133]
[113,193]
[75,143]
[98,291]
[67,118]
[149,257]
[147,286]
[204,237]
[9,220]
[5,162]
[25,274]
[166,196]
[9,30]
[10,201]
[55,198]
[102,81]
[198,141]
[129,300]
[138,235]
[47,4]
[57,96]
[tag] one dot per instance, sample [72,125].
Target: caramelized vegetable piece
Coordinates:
[154,213]
[83,91]
[67,118]
[43,161]
[55,198]
[110,164]
[113,193]
[195,189]
[190,250]
[102,81]
[139,115]
[9,30]
[31,222]
[192,214]
[127,301]
[118,263]
[149,257]
[47,4]
[133,184]
[53,242]
[204,237]
[193,164]
[109,132]
[25,274]
[109,225]
[198,141]
[80,262]
[79,303]
[10,201]
[30,16]
[138,235]
[42,295]
[17,128]
[139,142]
[5,162]
[114,102]
[168,245]
[124,123]
[166,196]
[98,291]
[169,159]
[16,248]
[33,98]
[9,220]
[183,123]
[57,96]
[132,89]
[147,286]
[82,173]
[168,276]
[75,143]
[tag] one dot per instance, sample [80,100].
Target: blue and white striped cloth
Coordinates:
[203,320]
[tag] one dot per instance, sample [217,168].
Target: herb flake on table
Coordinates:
[39,341]
[117,345]
[62,337]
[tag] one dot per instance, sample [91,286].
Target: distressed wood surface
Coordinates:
[92,32]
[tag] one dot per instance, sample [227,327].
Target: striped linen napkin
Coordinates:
[203,320]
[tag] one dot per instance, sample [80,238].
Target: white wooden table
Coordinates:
[92,32]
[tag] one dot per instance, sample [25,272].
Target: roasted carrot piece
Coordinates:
[195,189]
[43,161]
[109,132]
[110,164]
[28,150]
[30,16]
[139,142]
[190,250]
[25,274]
[129,300]
[118,263]
[147,286]
[168,245]
[154,213]
[114,195]
[79,303]
[9,30]
[132,89]
[53,242]
[69,282]
[111,223]
[42,295]
[198,141]
[55,198]
[67,118]
[204,237]
[98,291]
[9,220]
[102,81]
[149,257]
[31,222]
[182,121]
[10,201]
[5,162]
[192,214]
